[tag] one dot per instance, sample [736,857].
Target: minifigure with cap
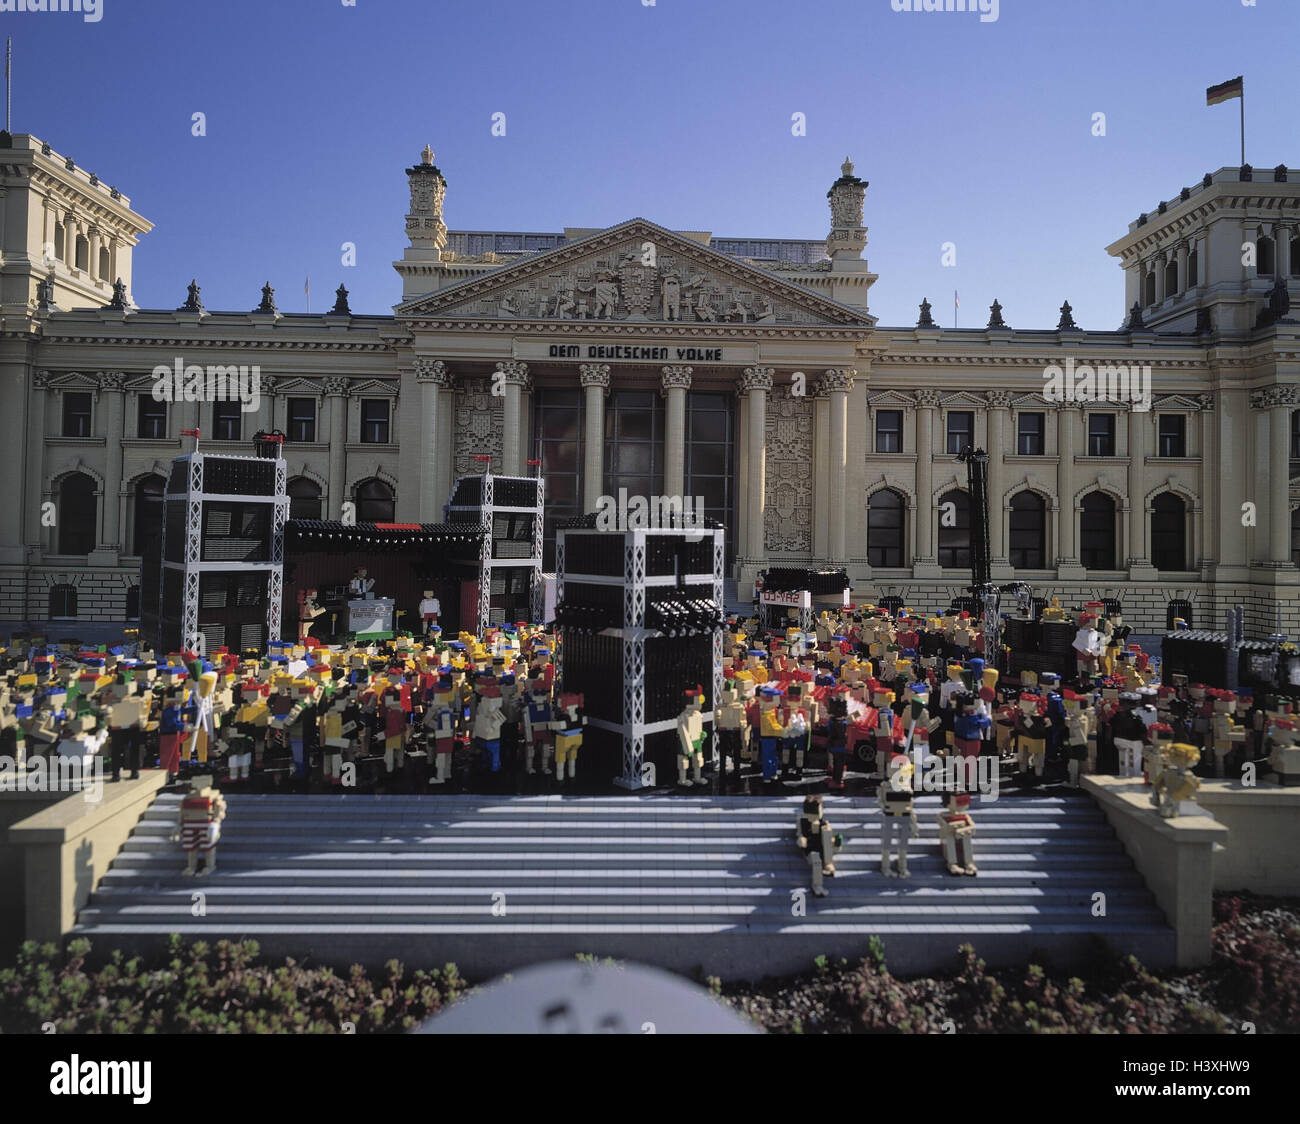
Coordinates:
[837,710]
[199,828]
[1032,725]
[690,738]
[957,833]
[1129,734]
[1226,734]
[1080,735]
[439,723]
[487,721]
[817,842]
[798,727]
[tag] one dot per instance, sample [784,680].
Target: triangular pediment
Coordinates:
[636,272]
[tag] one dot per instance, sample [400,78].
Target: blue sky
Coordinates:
[977,133]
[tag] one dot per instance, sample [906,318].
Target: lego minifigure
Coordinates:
[889,732]
[488,718]
[1129,734]
[837,734]
[1176,781]
[1080,736]
[731,727]
[308,611]
[439,723]
[817,842]
[336,732]
[569,722]
[956,832]
[199,829]
[795,718]
[772,730]
[1032,725]
[1226,734]
[897,815]
[690,738]
[968,726]
[1088,649]
[430,610]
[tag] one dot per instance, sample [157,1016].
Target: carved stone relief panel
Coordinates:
[478,426]
[788,524]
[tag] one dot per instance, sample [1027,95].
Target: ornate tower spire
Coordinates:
[424,226]
[848,236]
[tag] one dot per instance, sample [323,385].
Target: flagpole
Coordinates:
[1243,124]
[9,84]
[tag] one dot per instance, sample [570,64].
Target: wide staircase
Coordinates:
[688,883]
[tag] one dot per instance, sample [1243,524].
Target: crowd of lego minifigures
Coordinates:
[865,691]
[349,715]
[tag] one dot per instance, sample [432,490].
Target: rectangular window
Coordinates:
[1295,435]
[226,421]
[76,414]
[302,419]
[374,421]
[961,430]
[889,431]
[1030,435]
[1173,435]
[1101,435]
[151,419]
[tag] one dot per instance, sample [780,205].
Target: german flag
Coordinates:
[1226,91]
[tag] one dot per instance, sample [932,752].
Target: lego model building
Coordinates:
[639,613]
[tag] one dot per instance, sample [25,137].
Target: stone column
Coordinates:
[999,407]
[676,382]
[33,437]
[92,261]
[1279,401]
[1182,267]
[515,379]
[1139,555]
[925,563]
[1209,489]
[1160,276]
[755,384]
[595,382]
[336,393]
[823,488]
[1282,239]
[837,382]
[113,386]
[433,377]
[1067,553]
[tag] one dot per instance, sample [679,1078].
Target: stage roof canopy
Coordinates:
[463,540]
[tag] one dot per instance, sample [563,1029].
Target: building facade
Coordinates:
[1150,464]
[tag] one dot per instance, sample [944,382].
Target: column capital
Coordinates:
[756,378]
[594,374]
[676,378]
[838,380]
[515,373]
[1274,397]
[336,386]
[432,370]
[998,399]
[928,400]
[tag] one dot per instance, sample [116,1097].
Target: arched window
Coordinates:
[1097,532]
[147,512]
[77,514]
[375,502]
[1265,256]
[83,252]
[1149,288]
[1171,278]
[1179,609]
[133,603]
[885,529]
[1169,532]
[63,602]
[954,529]
[304,499]
[1028,531]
